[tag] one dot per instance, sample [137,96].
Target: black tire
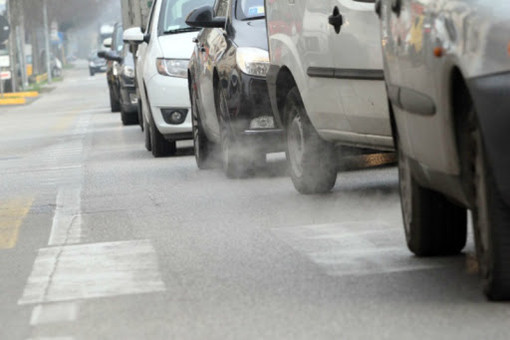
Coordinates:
[312,160]
[433,225]
[128,118]
[114,102]
[147,135]
[91,72]
[203,148]
[235,156]
[491,220]
[140,113]
[160,147]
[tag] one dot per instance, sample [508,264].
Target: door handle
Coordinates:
[396,6]
[336,20]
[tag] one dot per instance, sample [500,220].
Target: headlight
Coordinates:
[128,71]
[253,61]
[173,67]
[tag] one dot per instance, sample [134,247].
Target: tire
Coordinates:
[203,148]
[147,135]
[114,102]
[235,158]
[491,220]
[433,225]
[140,113]
[312,161]
[160,147]
[91,72]
[128,118]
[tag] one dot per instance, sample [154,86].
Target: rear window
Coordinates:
[250,9]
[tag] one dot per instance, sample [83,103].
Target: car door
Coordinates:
[211,43]
[418,87]
[356,45]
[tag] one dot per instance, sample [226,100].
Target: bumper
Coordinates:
[167,93]
[492,102]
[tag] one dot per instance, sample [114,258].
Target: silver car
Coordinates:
[447,71]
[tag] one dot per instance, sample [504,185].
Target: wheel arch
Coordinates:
[284,83]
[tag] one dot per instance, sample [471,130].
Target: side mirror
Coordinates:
[107,43]
[101,54]
[134,35]
[111,55]
[203,17]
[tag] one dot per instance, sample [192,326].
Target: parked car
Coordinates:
[96,64]
[162,62]
[326,84]
[120,75]
[228,89]
[447,66]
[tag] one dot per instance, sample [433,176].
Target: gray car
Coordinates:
[447,71]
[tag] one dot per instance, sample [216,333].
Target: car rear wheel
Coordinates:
[491,220]
[114,102]
[160,147]
[433,225]
[312,161]
[202,146]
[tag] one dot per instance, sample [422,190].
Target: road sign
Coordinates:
[5,30]
[5,75]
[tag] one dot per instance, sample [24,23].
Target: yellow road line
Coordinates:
[21,94]
[12,214]
[12,101]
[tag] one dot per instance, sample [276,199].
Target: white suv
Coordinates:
[161,72]
[326,84]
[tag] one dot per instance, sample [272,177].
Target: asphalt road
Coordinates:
[99,240]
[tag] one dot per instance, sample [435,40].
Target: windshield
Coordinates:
[175,12]
[250,9]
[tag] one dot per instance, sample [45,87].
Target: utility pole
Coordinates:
[47,40]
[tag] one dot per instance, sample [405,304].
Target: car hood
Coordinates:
[177,46]
[250,33]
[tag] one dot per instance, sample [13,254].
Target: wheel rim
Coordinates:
[296,145]
[405,191]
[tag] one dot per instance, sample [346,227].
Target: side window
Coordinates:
[151,15]
[221,8]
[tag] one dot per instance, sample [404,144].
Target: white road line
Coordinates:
[69,273]
[66,227]
[53,313]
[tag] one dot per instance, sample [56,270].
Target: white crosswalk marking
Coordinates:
[356,248]
[69,273]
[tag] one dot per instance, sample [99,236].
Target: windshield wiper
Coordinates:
[254,18]
[182,30]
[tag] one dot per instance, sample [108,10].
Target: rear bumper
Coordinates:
[492,102]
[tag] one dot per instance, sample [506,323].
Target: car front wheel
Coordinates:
[160,147]
[433,225]
[491,220]
[202,146]
[312,161]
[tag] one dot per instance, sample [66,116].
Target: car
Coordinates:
[326,85]
[447,69]
[120,75]
[228,88]
[96,64]
[161,71]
